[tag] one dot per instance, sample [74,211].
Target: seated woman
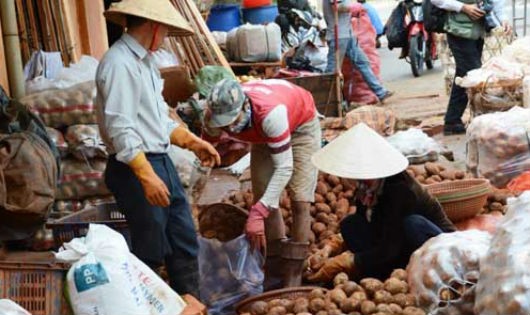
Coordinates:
[394,216]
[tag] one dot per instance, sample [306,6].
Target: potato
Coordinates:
[400,274]
[382,296]
[395,286]
[301,305]
[333,180]
[330,197]
[436,178]
[368,307]
[334,312]
[342,205]
[400,299]
[337,296]
[277,310]
[322,207]
[322,217]
[319,198]
[340,278]
[322,188]
[274,303]
[395,309]
[371,285]
[317,294]
[359,295]
[384,308]
[432,168]
[350,305]
[411,310]
[448,174]
[348,194]
[259,308]
[430,181]
[337,189]
[350,287]
[322,313]
[316,305]
[496,206]
[288,304]
[318,228]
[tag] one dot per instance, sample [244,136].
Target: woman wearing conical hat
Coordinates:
[394,216]
[136,128]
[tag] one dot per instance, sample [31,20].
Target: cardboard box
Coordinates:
[178,86]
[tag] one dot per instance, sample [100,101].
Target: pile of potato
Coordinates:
[497,201]
[332,203]
[369,296]
[432,173]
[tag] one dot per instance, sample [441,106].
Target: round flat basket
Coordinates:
[461,199]
[288,293]
[222,221]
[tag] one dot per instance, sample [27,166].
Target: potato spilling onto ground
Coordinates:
[444,271]
[368,297]
[432,173]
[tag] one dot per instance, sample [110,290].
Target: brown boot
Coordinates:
[341,263]
[294,255]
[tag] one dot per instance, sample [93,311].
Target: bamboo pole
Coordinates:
[15,73]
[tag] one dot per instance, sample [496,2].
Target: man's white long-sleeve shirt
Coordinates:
[456,6]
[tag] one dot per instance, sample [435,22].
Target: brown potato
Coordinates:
[368,307]
[301,305]
[436,178]
[322,188]
[448,174]
[318,228]
[371,285]
[395,309]
[330,196]
[288,304]
[337,296]
[384,308]
[337,189]
[395,286]
[340,278]
[460,174]
[350,287]
[333,180]
[319,198]
[334,312]
[316,305]
[322,207]
[382,296]
[432,168]
[277,310]
[359,295]
[274,303]
[322,217]
[317,294]
[259,308]
[400,274]
[411,310]
[350,305]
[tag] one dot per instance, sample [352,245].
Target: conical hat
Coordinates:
[360,153]
[161,11]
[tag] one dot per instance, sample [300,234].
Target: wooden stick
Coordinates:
[35,40]
[22,31]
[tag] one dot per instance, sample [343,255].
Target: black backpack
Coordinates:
[434,18]
[395,30]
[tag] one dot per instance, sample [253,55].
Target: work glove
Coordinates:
[255,226]
[333,266]
[184,138]
[155,189]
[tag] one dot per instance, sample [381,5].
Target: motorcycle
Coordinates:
[421,44]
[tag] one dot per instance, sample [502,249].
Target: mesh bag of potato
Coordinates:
[443,272]
[498,145]
[59,141]
[85,142]
[504,284]
[82,179]
[64,107]
[229,272]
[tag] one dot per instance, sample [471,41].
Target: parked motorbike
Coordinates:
[421,44]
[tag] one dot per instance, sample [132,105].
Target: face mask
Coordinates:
[242,123]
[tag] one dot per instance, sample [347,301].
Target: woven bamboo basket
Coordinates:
[288,293]
[222,221]
[461,199]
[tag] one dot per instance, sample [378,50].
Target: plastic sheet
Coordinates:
[416,145]
[444,271]
[58,139]
[498,145]
[229,273]
[503,287]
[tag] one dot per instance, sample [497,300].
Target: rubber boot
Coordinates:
[301,221]
[294,255]
[273,266]
[183,275]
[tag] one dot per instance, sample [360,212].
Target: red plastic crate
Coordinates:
[35,281]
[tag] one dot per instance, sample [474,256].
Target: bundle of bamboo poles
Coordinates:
[200,49]
[43,25]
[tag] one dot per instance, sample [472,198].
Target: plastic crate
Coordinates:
[35,282]
[76,224]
